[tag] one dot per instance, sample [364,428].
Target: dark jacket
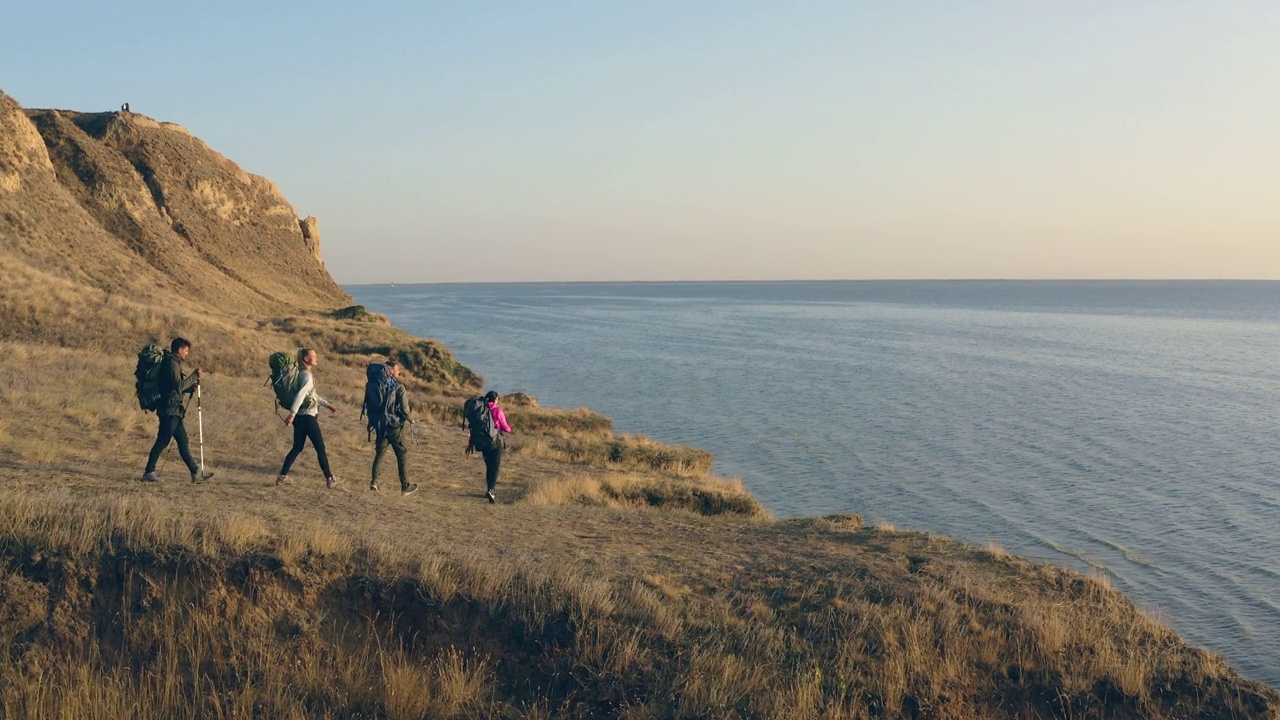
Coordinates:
[173,385]
[400,404]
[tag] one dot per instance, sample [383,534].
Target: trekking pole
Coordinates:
[200,425]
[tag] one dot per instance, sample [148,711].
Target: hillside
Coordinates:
[615,577]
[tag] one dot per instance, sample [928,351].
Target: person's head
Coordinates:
[491,396]
[180,347]
[307,357]
[393,368]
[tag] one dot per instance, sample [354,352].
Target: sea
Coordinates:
[1130,429]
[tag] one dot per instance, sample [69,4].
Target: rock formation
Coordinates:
[311,236]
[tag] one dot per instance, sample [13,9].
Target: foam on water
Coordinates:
[1127,428]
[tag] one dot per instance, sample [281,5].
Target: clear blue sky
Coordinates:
[714,140]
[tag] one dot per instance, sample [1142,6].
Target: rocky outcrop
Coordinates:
[133,206]
[45,231]
[311,236]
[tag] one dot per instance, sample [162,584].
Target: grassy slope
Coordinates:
[571,597]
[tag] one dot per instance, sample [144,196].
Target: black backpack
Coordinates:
[478,418]
[380,398]
[147,377]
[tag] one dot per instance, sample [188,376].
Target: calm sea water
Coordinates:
[1125,427]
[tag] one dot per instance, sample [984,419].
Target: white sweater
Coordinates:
[308,390]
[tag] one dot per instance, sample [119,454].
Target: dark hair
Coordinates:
[178,344]
[491,395]
[392,363]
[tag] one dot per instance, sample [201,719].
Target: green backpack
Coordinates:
[147,377]
[284,377]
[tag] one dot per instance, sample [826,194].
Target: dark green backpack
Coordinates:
[284,377]
[147,377]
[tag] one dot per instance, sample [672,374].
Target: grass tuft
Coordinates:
[706,496]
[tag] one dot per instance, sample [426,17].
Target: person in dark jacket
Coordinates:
[393,435]
[173,385]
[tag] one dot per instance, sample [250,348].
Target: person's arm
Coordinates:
[402,404]
[187,385]
[500,419]
[308,387]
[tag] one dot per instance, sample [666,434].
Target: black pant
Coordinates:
[304,427]
[492,461]
[393,436]
[171,428]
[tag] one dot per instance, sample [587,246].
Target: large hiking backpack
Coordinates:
[147,377]
[284,377]
[380,398]
[478,418]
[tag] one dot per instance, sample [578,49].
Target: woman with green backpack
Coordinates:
[302,416]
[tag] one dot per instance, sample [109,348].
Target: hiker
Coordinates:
[173,384]
[488,441]
[388,421]
[302,416]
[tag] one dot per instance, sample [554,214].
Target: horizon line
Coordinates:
[814,280]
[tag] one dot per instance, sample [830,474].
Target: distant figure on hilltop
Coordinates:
[387,405]
[302,416]
[487,422]
[124,107]
[173,385]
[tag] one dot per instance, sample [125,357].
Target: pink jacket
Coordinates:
[499,420]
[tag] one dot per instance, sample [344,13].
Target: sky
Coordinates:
[597,140]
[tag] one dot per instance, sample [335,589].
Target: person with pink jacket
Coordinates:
[490,444]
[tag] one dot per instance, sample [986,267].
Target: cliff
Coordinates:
[120,204]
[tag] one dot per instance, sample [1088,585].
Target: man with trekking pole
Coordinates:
[173,385]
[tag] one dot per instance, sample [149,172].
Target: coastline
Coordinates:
[1092,440]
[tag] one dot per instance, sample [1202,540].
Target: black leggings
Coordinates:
[492,461]
[171,428]
[304,427]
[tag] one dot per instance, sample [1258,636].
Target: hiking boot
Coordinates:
[284,480]
[200,476]
[332,482]
[150,477]
[492,498]
[374,486]
[409,489]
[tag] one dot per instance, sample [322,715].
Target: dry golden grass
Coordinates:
[709,496]
[224,614]
[623,452]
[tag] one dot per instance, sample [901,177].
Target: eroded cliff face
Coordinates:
[125,204]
